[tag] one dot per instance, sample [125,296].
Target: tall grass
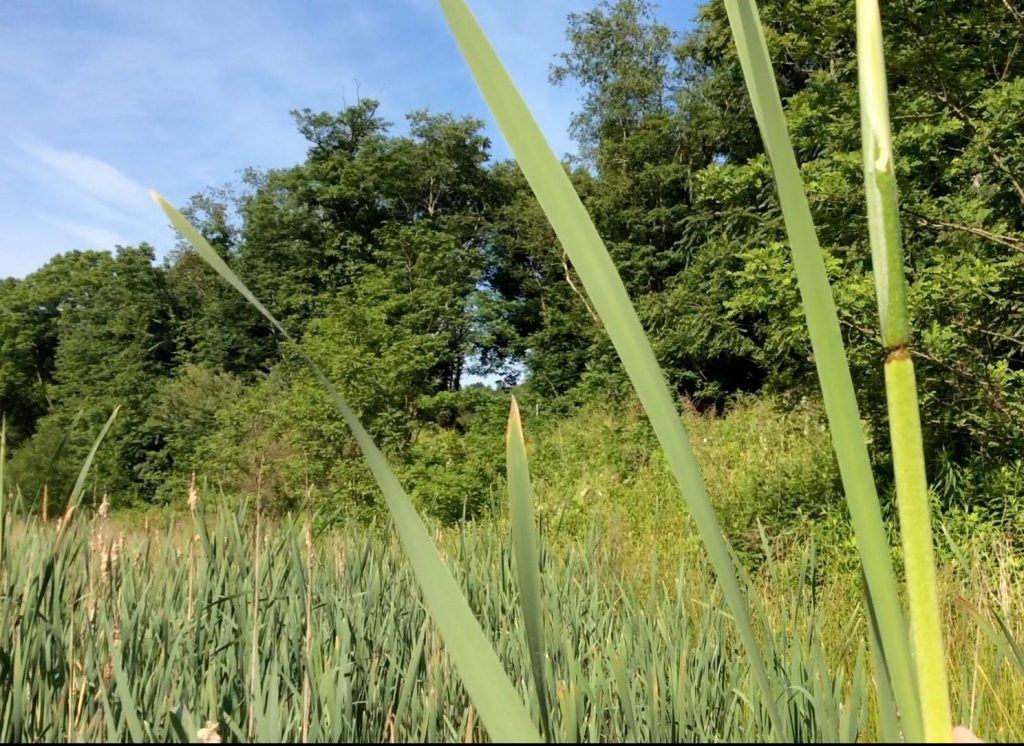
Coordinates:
[3,487]
[493,694]
[97,642]
[830,359]
[782,688]
[527,556]
[591,260]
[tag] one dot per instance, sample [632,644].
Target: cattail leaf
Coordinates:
[3,488]
[501,711]
[75,499]
[527,556]
[590,258]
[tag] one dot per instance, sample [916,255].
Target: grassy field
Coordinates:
[638,619]
[118,631]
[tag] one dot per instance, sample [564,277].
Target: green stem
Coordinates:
[901,387]
[830,360]
[3,486]
[919,555]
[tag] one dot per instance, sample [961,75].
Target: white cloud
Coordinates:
[95,237]
[55,200]
[89,174]
[101,97]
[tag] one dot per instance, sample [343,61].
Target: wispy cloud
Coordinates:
[93,176]
[78,201]
[92,235]
[99,98]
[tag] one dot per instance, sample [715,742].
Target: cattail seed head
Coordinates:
[105,565]
[193,494]
[208,733]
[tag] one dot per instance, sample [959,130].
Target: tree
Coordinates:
[621,57]
[112,350]
[212,325]
[535,310]
[953,70]
[31,311]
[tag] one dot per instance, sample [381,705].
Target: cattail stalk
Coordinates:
[307,688]
[900,383]
[3,487]
[254,657]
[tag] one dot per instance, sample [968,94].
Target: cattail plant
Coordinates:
[193,495]
[524,544]
[492,691]
[254,631]
[900,385]
[209,733]
[655,684]
[830,360]
[585,248]
[3,489]
[624,660]
[307,637]
[104,509]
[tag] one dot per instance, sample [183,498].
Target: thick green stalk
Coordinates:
[880,179]
[919,556]
[829,359]
[900,384]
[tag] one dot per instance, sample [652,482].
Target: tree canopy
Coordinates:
[406,262]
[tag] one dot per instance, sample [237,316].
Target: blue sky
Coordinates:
[102,99]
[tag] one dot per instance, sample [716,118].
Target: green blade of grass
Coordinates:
[488,685]
[590,258]
[829,359]
[856,706]
[123,688]
[182,725]
[524,544]
[75,499]
[1008,642]
[409,680]
[1003,639]
[888,721]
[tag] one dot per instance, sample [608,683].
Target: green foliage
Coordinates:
[184,411]
[767,462]
[407,261]
[250,449]
[153,627]
[46,460]
[402,263]
[454,465]
[694,164]
[31,311]
[95,327]
[622,58]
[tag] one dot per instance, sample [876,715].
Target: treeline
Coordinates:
[405,262]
